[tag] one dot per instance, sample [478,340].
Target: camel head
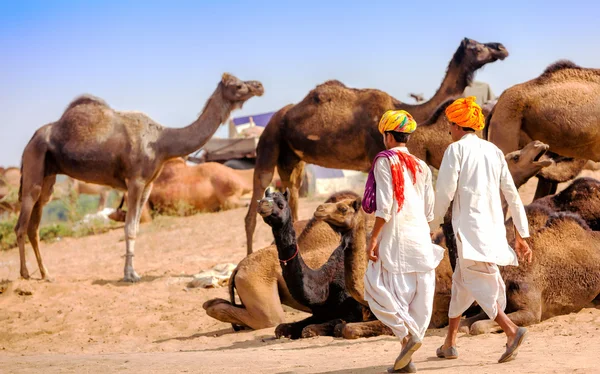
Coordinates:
[237,91]
[274,208]
[528,161]
[479,54]
[339,215]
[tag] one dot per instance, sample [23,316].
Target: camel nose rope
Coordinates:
[291,258]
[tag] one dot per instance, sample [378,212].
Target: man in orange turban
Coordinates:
[472,173]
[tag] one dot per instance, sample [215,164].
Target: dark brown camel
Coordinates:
[125,150]
[336,127]
[322,290]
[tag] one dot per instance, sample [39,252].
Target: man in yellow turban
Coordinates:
[400,276]
[473,172]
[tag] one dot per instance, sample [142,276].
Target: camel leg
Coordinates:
[135,193]
[523,317]
[262,179]
[34,222]
[362,330]
[32,180]
[545,187]
[294,330]
[290,169]
[260,298]
[102,201]
[321,329]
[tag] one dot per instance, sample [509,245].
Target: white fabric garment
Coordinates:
[472,173]
[404,242]
[403,302]
[476,281]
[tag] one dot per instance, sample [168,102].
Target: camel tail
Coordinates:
[21,182]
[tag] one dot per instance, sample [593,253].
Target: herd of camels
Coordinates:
[547,126]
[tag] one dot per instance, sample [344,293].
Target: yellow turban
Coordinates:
[397,120]
[466,113]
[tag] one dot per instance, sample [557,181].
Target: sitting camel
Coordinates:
[261,287]
[563,277]
[322,290]
[259,281]
[335,126]
[124,150]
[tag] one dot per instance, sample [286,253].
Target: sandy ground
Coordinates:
[86,321]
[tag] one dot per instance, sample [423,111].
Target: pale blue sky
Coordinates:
[165,58]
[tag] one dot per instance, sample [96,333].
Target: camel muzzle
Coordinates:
[265,207]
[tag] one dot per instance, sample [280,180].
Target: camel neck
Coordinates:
[183,141]
[458,77]
[355,260]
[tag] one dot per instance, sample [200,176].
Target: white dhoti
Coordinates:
[401,301]
[477,281]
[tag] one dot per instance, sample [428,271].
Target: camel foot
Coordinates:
[364,330]
[131,276]
[338,330]
[288,330]
[25,274]
[212,302]
[483,327]
[321,329]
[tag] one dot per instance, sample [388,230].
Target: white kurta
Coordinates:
[472,173]
[400,286]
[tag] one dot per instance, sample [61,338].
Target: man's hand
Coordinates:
[523,250]
[373,250]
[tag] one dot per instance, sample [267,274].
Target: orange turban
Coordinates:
[466,113]
[397,120]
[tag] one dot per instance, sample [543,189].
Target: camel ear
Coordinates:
[286,194]
[226,77]
[357,204]
[268,192]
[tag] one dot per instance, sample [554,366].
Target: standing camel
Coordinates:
[125,150]
[336,127]
[560,108]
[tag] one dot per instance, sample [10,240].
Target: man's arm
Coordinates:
[517,211]
[445,186]
[385,202]
[429,195]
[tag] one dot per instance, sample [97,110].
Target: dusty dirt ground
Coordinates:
[86,321]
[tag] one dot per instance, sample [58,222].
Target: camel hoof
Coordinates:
[25,274]
[131,277]
[309,332]
[464,329]
[283,330]
[212,302]
[338,330]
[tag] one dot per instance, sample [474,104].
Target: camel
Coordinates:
[336,127]
[259,281]
[124,150]
[322,290]
[261,287]
[559,108]
[9,185]
[418,97]
[563,278]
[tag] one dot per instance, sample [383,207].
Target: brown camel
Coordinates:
[125,150]
[559,108]
[261,287]
[563,278]
[9,185]
[336,127]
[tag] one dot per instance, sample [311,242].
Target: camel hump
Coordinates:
[86,99]
[560,65]
[333,82]
[559,218]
